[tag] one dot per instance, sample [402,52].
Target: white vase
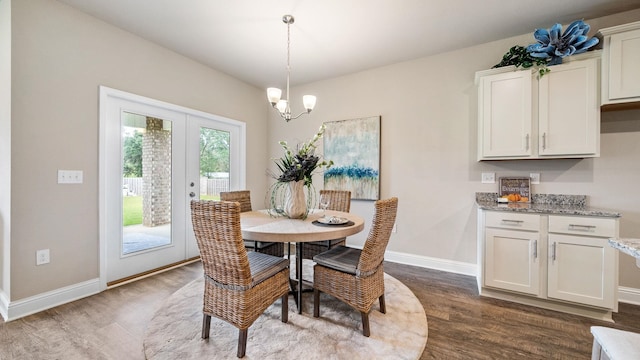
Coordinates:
[296,204]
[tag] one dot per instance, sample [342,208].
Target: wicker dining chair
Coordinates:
[244,198]
[239,284]
[356,276]
[339,200]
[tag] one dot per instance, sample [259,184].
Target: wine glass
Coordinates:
[324,204]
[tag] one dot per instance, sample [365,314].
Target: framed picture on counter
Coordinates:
[515,189]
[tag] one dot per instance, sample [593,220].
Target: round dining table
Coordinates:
[267,226]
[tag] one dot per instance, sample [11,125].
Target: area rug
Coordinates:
[174,331]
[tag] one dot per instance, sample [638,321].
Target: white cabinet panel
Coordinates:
[512,220]
[512,260]
[505,105]
[581,225]
[569,110]
[620,70]
[580,270]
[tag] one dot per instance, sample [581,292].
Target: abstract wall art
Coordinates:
[354,147]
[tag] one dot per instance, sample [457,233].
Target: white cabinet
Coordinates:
[521,116]
[558,262]
[582,265]
[620,70]
[504,112]
[511,252]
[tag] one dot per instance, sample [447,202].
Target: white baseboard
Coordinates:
[4,305]
[49,299]
[629,295]
[432,263]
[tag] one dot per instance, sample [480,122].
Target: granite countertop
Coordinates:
[627,245]
[544,204]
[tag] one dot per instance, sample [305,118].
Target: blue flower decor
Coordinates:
[553,46]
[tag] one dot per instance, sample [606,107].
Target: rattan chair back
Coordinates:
[375,246]
[216,225]
[339,200]
[241,196]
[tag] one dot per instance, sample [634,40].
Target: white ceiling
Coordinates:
[247,38]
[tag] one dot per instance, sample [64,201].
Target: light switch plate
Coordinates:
[488,178]
[70,176]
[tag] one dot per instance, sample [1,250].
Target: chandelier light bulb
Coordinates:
[274,94]
[282,106]
[309,102]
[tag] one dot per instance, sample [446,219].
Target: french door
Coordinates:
[154,158]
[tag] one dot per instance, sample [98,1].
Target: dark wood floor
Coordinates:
[462,325]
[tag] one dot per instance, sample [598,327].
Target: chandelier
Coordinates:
[274,94]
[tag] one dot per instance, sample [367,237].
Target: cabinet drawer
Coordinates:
[583,225]
[510,220]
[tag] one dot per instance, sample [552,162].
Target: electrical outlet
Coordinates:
[42,257]
[535,178]
[488,178]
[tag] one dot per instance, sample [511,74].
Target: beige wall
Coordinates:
[5,145]
[429,111]
[428,108]
[60,57]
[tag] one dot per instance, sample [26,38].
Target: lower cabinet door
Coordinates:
[511,261]
[581,270]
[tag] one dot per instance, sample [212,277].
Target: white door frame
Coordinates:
[108,95]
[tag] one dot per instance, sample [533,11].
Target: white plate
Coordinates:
[333,220]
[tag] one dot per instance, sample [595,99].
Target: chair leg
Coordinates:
[206,325]
[316,303]
[365,324]
[285,308]
[242,342]
[383,307]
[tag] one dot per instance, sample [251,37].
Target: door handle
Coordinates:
[535,249]
[553,251]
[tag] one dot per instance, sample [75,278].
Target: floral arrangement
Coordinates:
[551,47]
[296,169]
[300,164]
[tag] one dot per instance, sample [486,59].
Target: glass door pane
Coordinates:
[146,183]
[214,163]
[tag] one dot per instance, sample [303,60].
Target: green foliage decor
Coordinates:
[519,56]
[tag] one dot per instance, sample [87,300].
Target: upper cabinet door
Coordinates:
[504,111]
[569,109]
[620,70]
[624,65]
